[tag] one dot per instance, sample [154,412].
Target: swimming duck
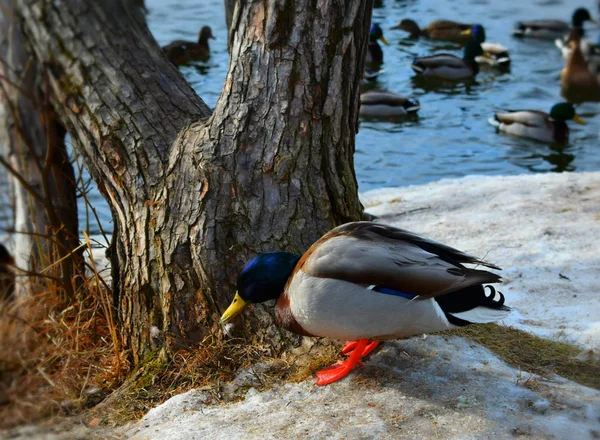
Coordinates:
[578,84]
[589,49]
[7,276]
[494,54]
[182,52]
[538,125]
[445,30]
[552,29]
[450,66]
[375,104]
[367,281]
[374,52]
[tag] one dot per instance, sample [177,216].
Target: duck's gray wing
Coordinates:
[532,118]
[385,98]
[369,253]
[441,60]
[554,25]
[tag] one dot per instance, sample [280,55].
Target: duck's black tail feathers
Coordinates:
[411,105]
[471,305]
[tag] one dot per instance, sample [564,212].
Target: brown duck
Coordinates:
[578,84]
[182,52]
[445,30]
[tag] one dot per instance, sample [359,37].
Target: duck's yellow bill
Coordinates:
[383,40]
[593,20]
[487,55]
[234,309]
[577,119]
[466,32]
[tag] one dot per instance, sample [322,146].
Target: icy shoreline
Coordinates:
[544,231]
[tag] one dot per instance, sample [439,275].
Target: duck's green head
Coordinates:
[564,112]
[580,15]
[472,50]
[477,32]
[376,33]
[261,279]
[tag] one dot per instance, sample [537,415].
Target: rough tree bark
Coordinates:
[229,10]
[33,140]
[195,193]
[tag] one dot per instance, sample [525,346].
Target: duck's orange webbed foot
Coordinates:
[349,347]
[341,368]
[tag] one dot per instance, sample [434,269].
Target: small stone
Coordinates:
[540,406]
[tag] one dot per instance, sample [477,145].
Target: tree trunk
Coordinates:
[194,194]
[45,210]
[229,10]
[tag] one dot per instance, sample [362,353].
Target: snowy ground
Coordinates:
[544,230]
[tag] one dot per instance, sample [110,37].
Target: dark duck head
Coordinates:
[204,35]
[261,279]
[376,34]
[580,16]
[477,32]
[565,111]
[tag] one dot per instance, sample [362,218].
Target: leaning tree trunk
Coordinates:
[34,154]
[194,194]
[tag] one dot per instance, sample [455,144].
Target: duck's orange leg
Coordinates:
[341,368]
[351,345]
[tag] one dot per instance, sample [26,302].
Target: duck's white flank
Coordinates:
[541,133]
[342,310]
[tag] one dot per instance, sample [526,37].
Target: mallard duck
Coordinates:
[538,125]
[445,30]
[450,66]
[367,281]
[589,49]
[181,52]
[374,52]
[494,54]
[7,276]
[552,29]
[578,84]
[375,104]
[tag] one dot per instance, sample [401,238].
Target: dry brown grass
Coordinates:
[209,367]
[535,355]
[57,358]
[206,366]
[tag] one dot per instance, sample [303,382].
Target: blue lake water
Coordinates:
[451,137]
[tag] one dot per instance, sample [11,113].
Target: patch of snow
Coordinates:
[542,229]
[442,387]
